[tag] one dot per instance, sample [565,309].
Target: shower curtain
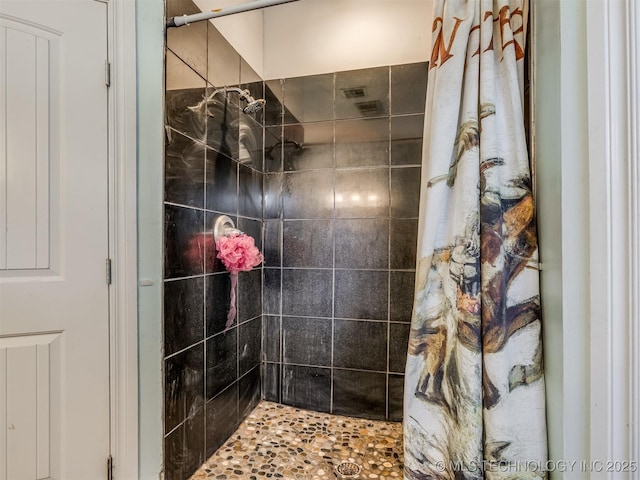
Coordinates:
[474,385]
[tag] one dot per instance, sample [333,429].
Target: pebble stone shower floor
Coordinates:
[277,441]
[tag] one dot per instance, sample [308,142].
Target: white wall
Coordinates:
[310,37]
[322,36]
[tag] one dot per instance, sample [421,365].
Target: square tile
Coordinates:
[250,142]
[249,388]
[272,243]
[359,394]
[306,387]
[306,341]
[183,313]
[273,109]
[405,192]
[272,291]
[185,90]
[308,243]
[271,338]
[361,294]
[271,382]
[184,448]
[222,365]
[218,298]
[406,139]
[398,344]
[183,385]
[402,285]
[307,293]
[273,149]
[222,418]
[184,242]
[396,397]
[250,193]
[184,169]
[175,452]
[408,88]
[223,118]
[404,243]
[362,243]
[308,98]
[362,193]
[249,294]
[273,193]
[253,229]
[221,183]
[308,194]
[362,93]
[194,436]
[368,352]
[308,146]
[249,344]
[362,143]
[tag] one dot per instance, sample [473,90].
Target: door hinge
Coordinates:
[109,467]
[107,73]
[108,268]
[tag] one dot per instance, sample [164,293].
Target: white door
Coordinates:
[54,317]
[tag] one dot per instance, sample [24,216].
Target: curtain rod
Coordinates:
[221,12]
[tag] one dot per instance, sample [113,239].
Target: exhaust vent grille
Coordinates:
[370,109]
[354,92]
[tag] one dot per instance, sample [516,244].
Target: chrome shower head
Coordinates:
[253,105]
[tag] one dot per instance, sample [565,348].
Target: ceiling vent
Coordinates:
[354,92]
[370,109]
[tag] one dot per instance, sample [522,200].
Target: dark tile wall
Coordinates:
[341,189]
[213,165]
[329,175]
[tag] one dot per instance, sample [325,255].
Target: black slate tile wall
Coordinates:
[326,179]
[213,166]
[341,194]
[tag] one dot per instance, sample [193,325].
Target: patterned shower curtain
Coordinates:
[474,384]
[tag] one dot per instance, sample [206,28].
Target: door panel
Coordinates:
[54,317]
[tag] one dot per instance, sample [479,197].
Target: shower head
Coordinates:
[252,106]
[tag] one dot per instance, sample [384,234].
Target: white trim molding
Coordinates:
[614,184]
[123,239]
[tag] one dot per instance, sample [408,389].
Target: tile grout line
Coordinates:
[390,246]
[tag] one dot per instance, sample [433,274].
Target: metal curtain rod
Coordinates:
[221,12]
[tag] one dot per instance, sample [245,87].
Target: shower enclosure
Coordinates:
[325,177]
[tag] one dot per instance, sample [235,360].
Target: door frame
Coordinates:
[123,238]
[613,68]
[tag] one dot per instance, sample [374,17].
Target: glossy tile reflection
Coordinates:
[340,234]
[308,99]
[184,89]
[213,165]
[285,442]
[362,143]
[362,93]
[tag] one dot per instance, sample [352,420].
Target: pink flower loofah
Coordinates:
[239,254]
